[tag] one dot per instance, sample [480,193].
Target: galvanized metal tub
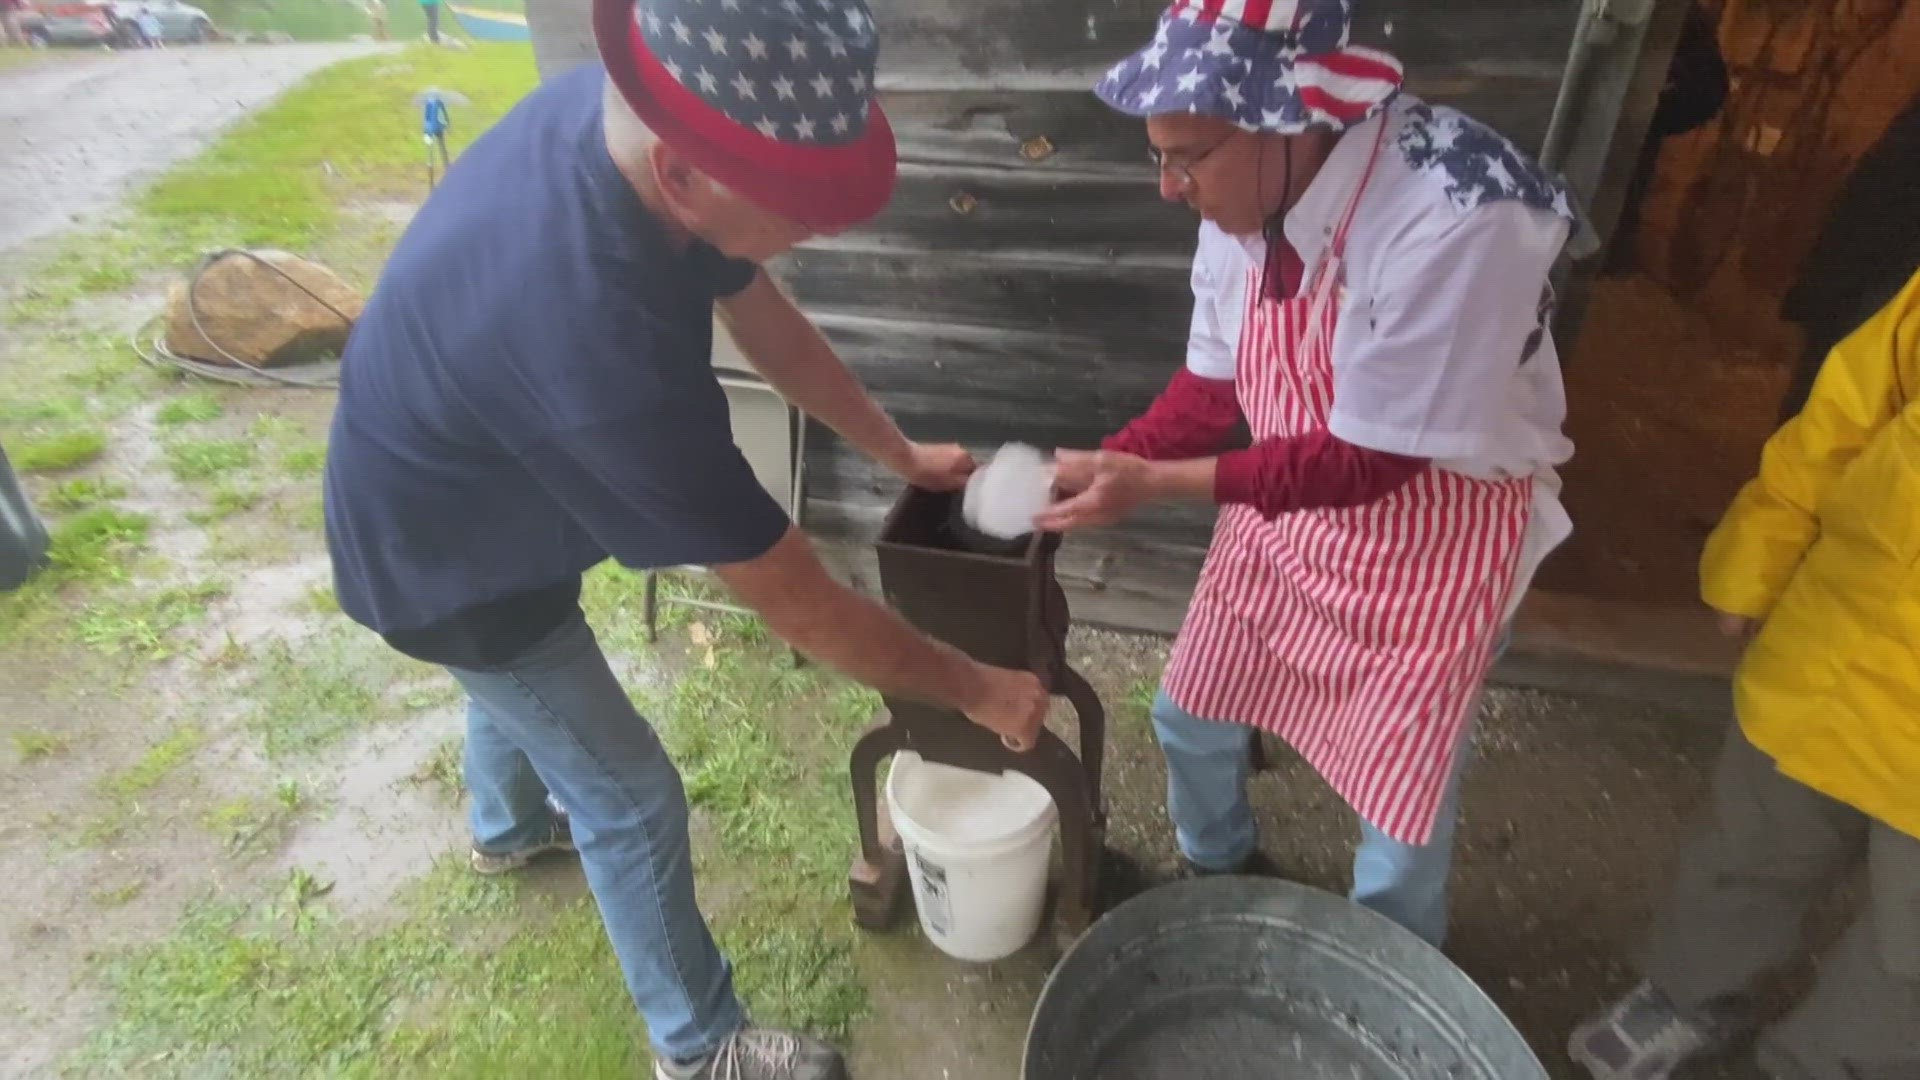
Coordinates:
[1237,978]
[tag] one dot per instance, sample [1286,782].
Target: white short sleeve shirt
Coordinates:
[1442,348]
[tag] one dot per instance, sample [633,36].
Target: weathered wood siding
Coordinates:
[1027,282]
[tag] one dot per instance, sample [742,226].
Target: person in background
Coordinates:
[151,35]
[1867,247]
[377,18]
[1371,296]
[431,9]
[531,391]
[1818,564]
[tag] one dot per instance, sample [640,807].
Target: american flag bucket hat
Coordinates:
[1278,66]
[772,98]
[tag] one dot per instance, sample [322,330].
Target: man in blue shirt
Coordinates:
[530,392]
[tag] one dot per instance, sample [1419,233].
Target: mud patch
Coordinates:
[390,211]
[136,458]
[382,827]
[277,602]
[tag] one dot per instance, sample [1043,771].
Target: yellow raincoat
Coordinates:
[1824,545]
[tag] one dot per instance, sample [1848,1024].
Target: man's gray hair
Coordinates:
[628,137]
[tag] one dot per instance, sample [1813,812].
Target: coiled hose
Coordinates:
[151,343]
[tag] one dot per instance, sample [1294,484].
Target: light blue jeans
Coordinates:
[1207,768]
[558,720]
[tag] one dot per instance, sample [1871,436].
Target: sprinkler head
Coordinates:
[434,93]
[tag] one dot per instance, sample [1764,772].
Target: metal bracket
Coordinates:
[1622,12]
[796,497]
[1605,19]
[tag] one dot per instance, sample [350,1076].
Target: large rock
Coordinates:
[255,313]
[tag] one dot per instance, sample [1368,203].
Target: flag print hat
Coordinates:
[1277,66]
[772,98]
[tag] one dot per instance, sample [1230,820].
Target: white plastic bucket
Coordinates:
[978,846]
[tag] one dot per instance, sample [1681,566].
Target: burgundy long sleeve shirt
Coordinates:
[1194,416]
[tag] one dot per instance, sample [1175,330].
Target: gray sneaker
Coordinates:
[490,863]
[757,1053]
[1643,1036]
[1254,865]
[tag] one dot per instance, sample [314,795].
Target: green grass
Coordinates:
[480,977]
[331,20]
[120,895]
[123,790]
[311,694]
[94,540]
[144,626]
[253,540]
[59,452]
[762,745]
[308,514]
[467,977]
[1141,694]
[37,406]
[280,178]
[282,989]
[304,462]
[442,771]
[206,459]
[194,408]
[615,598]
[38,744]
[247,822]
[19,58]
[321,600]
[274,428]
[306,20]
[274,178]
[230,496]
[82,493]
[160,759]
[61,394]
[90,553]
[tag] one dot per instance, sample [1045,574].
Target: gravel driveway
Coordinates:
[80,131]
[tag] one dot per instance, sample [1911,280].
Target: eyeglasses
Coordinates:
[1183,170]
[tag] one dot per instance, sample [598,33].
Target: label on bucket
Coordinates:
[935,906]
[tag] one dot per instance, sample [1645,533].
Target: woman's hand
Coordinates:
[1102,488]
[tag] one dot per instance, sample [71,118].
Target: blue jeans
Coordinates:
[1207,768]
[556,719]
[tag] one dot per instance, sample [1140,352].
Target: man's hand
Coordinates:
[1738,627]
[1104,486]
[783,345]
[808,609]
[1012,704]
[934,466]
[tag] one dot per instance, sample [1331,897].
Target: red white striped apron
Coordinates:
[1358,635]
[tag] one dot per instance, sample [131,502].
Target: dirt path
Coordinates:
[81,132]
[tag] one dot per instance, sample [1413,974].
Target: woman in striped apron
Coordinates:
[1371,297]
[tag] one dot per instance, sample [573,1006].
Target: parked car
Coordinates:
[178,21]
[32,26]
[111,25]
[79,23]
